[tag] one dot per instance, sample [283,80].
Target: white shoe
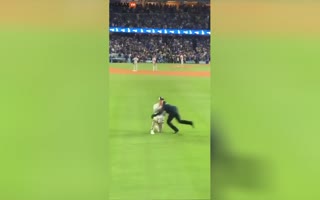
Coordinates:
[152,132]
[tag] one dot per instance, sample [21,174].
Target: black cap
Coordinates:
[161,98]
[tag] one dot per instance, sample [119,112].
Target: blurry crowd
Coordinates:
[167,48]
[160,16]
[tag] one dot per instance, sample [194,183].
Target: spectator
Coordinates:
[168,48]
[156,16]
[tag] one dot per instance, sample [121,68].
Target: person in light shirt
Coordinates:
[181,59]
[157,121]
[172,112]
[135,63]
[154,63]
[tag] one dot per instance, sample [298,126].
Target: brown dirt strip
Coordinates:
[163,73]
[189,66]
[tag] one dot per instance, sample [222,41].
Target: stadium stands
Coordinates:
[166,47]
[123,46]
[156,16]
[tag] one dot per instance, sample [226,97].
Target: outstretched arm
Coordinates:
[158,113]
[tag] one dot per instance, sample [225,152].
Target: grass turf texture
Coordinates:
[264,96]
[161,166]
[51,149]
[53,115]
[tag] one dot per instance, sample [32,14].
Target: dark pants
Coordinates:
[177,116]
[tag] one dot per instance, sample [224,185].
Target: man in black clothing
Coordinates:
[173,113]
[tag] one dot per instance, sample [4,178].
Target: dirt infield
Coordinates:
[163,73]
[189,66]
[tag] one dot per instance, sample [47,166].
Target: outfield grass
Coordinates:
[264,97]
[53,132]
[161,166]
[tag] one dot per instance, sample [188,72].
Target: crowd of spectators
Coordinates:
[160,16]
[167,48]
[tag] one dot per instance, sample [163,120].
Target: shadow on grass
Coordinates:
[235,170]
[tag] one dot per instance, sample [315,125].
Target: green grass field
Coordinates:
[54,131]
[161,166]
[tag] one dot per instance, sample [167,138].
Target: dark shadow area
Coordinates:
[234,170]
